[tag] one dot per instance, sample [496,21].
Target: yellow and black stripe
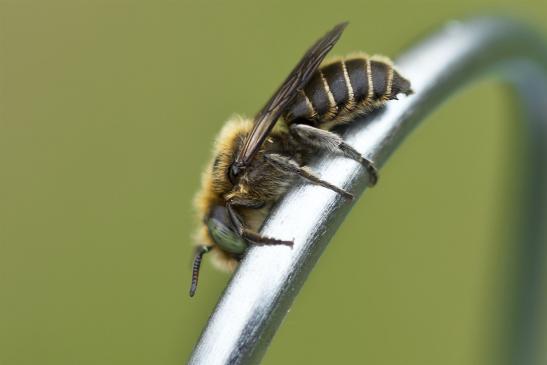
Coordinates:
[344,88]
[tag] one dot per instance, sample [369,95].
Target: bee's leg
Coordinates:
[332,142]
[200,251]
[289,166]
[250,236]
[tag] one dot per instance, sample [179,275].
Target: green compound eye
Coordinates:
[225,237]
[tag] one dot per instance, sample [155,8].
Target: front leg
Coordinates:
[245,233]
[330,141]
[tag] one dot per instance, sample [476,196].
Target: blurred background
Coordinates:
[108,110]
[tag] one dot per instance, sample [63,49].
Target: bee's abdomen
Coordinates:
[346,87]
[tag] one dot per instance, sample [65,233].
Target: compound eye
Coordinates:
[233,173]
[223,232]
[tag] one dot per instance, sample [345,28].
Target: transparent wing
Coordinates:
[297,79]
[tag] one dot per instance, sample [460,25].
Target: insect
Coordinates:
[254,163]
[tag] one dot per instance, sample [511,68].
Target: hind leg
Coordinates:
[330,141]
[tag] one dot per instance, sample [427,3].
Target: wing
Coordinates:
[297,79]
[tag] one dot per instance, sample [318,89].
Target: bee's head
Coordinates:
[223,231]
[224,234]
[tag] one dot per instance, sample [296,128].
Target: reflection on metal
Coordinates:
[263,288]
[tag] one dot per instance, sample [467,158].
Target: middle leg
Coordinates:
[330,141]
[289,166]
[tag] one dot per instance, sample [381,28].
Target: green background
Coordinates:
[108,110]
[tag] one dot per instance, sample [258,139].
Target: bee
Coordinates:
[254,164]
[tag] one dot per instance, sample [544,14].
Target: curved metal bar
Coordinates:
[267,281]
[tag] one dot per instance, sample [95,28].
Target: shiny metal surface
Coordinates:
[263,288]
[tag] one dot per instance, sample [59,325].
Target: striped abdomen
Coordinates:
[342,89]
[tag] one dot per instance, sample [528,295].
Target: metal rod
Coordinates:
[267,281]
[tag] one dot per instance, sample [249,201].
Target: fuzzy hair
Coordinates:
[214,186]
